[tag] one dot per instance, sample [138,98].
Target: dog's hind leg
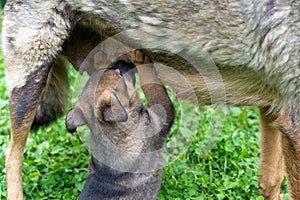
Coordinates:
[31,42]
[289,124]
[55,99]
[23,103]
[271,158]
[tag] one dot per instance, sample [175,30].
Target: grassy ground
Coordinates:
[55,162]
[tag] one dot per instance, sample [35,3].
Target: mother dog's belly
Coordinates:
[230,86]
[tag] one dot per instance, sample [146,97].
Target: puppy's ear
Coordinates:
[110,109]
[74,119]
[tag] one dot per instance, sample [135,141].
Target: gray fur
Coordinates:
[258,36]
[120,166]
[255,45]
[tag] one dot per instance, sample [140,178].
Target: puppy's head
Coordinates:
[108,96]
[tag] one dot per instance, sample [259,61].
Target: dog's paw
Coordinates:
[140,57]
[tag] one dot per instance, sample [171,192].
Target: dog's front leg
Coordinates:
[288,122]
[271,170]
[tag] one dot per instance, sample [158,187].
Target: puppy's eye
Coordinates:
[147,117]
[131,102]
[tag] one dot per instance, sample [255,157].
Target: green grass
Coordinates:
[55,162]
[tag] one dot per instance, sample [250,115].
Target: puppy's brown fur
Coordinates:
[110,106]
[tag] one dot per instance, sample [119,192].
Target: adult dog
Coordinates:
[255,45]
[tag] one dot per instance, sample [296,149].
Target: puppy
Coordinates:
[126,136]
